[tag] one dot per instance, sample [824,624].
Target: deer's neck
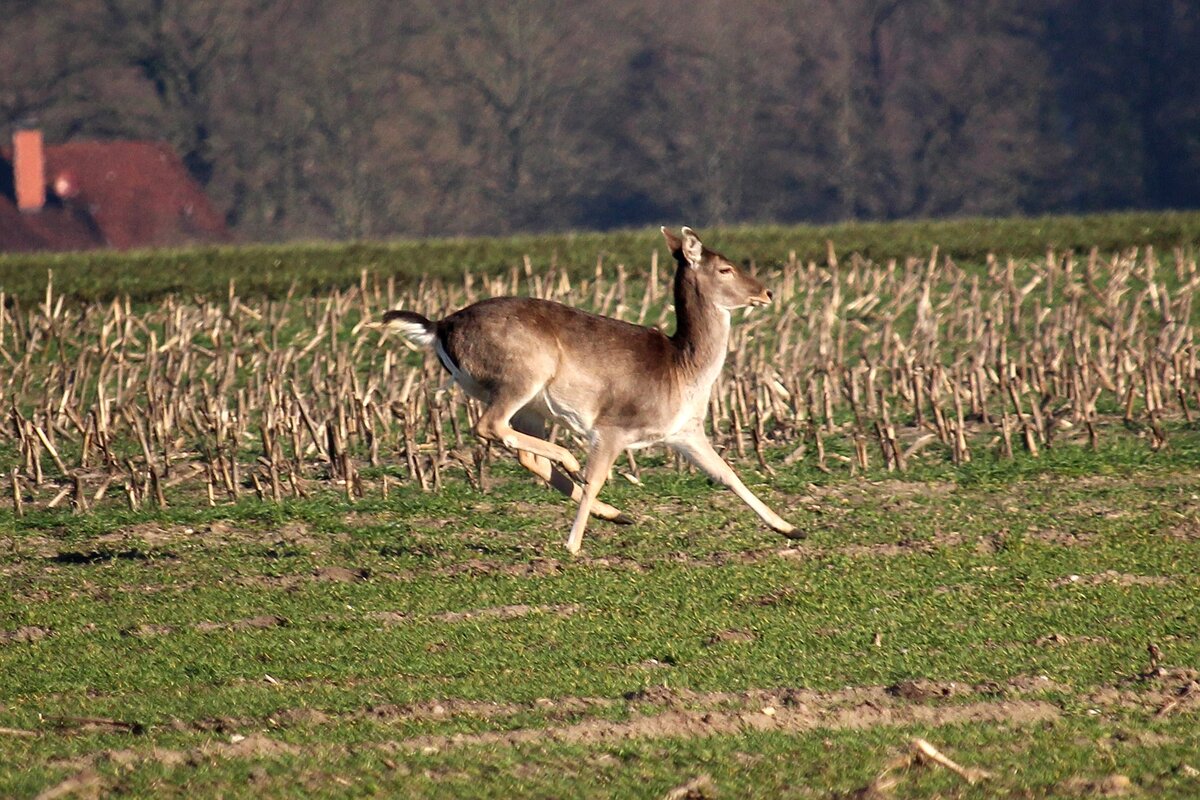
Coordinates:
[701,329]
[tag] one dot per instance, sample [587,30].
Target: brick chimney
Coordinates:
[29,170]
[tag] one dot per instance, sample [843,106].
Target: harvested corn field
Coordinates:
[856,364]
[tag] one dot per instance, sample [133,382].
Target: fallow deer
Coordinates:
[620,385]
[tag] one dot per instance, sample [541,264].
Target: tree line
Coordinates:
[376,118]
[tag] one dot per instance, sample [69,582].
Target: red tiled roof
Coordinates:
[14,235]
[125,194]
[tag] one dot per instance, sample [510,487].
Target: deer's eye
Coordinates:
[725,270]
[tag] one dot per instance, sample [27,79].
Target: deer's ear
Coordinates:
[693,248]
[674,243]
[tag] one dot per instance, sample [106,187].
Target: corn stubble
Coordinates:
[854,362]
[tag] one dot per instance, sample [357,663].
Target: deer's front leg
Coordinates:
[695,447]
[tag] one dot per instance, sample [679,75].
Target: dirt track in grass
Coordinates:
[660,713]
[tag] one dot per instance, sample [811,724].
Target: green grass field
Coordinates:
[445,645]
[1033,618]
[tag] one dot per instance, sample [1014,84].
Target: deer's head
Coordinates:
[719,280]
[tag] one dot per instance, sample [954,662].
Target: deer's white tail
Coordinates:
[412,326]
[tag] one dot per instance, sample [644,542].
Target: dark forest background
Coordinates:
[367,118]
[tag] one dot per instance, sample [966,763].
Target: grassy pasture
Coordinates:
[444,645]
[251,549]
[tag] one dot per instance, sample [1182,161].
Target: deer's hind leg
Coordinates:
[529,423]
[495,424]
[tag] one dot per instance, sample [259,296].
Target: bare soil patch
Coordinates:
[1024,685]
[1188,531]
[1061,538]
[1112,576]
[804,552]
[33,544]
[479,709]
[273,581]
[505,612]
[216,533]
[496,612]
[298,717]
[920,690]
[697,724]
[339,575]
[86,783]
[1161,691]
[1060,639]
[655,699]
[780,596]
[325,574]
[732,636]
[887,490]
[533,568]
[147,630]
[1108,786]
[153,534]
[660,712]
[253,746]
[253,623]
[24,635]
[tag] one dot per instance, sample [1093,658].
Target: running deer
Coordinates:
[620,385]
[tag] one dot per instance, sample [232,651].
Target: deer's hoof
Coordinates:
[570,465]
[792,532]
[622,519]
